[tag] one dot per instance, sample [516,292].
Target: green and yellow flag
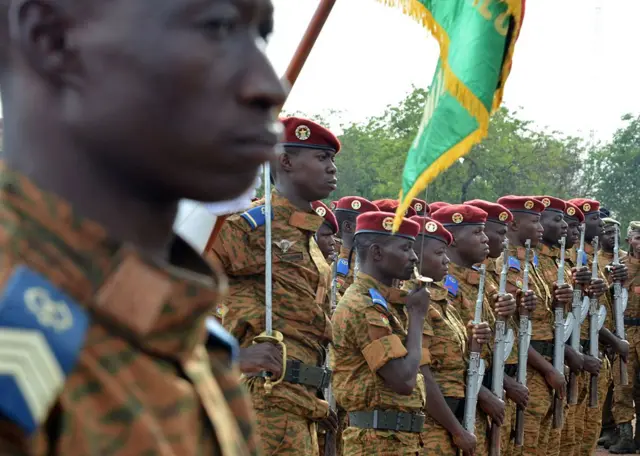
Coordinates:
[477,40]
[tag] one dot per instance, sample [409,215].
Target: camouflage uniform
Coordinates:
[366,337]
[464,300]
[121,365]
[301,280]
[344,273]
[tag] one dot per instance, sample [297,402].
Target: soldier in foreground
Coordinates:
[375,357]
[445,348]
[287,416]
[100,299]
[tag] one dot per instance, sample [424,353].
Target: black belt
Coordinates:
[631,321]
[543,347]
[511,369]
[389,420]
[304,374]
[487,380]
[456,404]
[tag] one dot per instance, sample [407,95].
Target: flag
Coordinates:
[476,40]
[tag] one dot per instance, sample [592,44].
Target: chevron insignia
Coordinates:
[42,331]
[343,267]
[378,298]
[451,284]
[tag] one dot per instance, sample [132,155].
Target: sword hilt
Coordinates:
[277,339]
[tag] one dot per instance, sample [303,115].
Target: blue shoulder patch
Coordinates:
[585,259]
[514,263]
[342,267]
[255,217]
[535,260]
[378,298]
[475,267]
[219,337]
[42,332]
[451,284]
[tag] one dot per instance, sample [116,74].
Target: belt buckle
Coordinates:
[294,371]
[400,416]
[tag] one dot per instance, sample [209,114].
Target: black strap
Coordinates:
[631,321]
[543,347]
[390,420]
[456,404]
[304,374]
[510,369]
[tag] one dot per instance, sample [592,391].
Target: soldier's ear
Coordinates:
[284,162]
[348,226]
[514,225]
[375,252]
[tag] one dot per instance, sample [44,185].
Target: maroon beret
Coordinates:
[420,206]
[300,132]
[323,211]
[587,206]
[495,212]
[459,215]
[574,212]
[382,223]
[355,204]
[391,205]
[527,204]
[437,206]
[552,204]
[433,229]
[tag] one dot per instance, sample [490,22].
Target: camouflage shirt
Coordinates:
[301,285]
[344,273]
[604,260]
[494,270]
[112,341]
[633,305]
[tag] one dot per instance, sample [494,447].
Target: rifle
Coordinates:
[330,438]
[619,308]
[475,372]
[558,341]
[594,330]
[524,337]
[577,315]
[497,385]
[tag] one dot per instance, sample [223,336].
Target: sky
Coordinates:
[574,68]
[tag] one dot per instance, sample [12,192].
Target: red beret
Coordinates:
[355,204]
[587,206]
[382,223]
[495,212]
[437,206]
[390,205]
[459,215]
[527,204]
[574,212]
[333,205]
[420,206]
[433,229]
[323,211]
[552,204]
[300,132]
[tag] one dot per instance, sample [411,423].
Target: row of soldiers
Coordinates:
[399,351]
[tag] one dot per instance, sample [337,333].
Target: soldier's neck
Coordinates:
[376,274]
[514,239]
[286,189]
[347,241]
[458,259]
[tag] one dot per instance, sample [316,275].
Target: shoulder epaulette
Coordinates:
[42,332]
[378,298]
[585,258]
[255,217]
[475,267]
[218,337]
[535,260]
[343,267]
[514,263]
[451,284]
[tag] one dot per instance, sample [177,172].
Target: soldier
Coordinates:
[391,205]
[445,349]
[304,173]
[498,217]
[103,307]
[542,378]
[347,210]
[325,236]
[466,224]
[420,206]
[375,357]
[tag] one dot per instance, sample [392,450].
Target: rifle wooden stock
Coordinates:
[519,426]
[494,447]
[558,412]
[330,443]
[573,388]
[593,392]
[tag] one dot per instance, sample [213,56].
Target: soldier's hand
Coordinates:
[597,287]
[263,357]
[505,305]
[592,365]
[465,441]
[481,333]
[518,393]
[619,272]
[581,275]
[562,294]
[557,381]
[528,300]
[330,422]
[492,406]
[622,348]
[418,302]
[574,359]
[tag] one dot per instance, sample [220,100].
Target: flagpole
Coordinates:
[291,76]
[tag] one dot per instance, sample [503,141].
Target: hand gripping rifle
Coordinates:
[558,341]
[524,337]
[619,307]
[576,309]
[329,440]
[594,329]
[475,372]
[497,384]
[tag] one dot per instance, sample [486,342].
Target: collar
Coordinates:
[469,275]
[390,294]
[545,250]
[490,263]
[284,210]
[607,255]
[344,252]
